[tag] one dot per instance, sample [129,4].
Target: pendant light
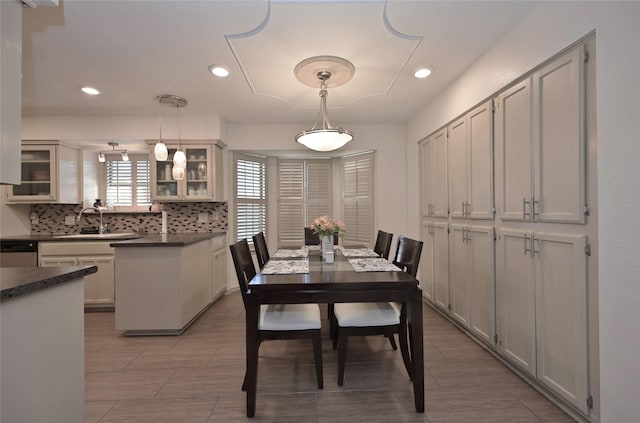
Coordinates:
[160,149]
[322,136]
[179,158]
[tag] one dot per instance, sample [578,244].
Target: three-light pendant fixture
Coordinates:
[160,149]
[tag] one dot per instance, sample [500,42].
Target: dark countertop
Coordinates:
[147,240]
[167,240]
[18,281]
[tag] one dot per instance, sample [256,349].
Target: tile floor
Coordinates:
[196,377]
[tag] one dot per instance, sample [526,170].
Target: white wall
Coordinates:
[545,31]
[390,176]
[14,219]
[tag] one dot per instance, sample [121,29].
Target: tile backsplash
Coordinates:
[181,217]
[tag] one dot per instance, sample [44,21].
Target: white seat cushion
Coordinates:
[366,314]
[289,317]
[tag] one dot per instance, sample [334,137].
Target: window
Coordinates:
[127,184]
[304,193]
[357,198]
[250,196]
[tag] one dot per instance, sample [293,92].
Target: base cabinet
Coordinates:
[434,264]
[471,279]
[99,289]
[218,267]
[542,309]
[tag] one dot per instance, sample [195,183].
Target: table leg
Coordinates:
[417,349]
[252,314]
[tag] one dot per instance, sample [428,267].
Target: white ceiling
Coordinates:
[135,50]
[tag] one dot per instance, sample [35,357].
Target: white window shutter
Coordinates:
[250,195]
[357,200]
[291,219]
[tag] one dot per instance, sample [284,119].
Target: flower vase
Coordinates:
[327,245]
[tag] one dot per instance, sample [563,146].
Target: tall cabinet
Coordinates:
[524,282]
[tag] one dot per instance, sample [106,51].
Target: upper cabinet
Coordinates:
[470,164]
[203,175]
[540,166]
[10,90]
[50,173]
[433,153]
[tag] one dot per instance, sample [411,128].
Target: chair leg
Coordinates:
[335,333]
[317,353]
[244,382]
[392,341]
[342,356]
[330,311]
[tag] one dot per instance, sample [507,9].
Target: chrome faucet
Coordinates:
[103,228]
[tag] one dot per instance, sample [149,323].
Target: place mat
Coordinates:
[373,265]
[359,252]
[284,253]
[278,267]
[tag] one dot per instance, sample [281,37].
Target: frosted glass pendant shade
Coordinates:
[180,159]
[178,173]
[160,151]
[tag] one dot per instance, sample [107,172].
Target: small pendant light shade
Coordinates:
[178,173]
[160,151]
[180,159]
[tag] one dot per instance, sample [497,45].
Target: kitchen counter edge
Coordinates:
[19,281]
[166,240]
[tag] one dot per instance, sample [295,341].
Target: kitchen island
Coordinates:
[164,282]
[42,343]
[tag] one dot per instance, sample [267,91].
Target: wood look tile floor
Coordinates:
[196,377]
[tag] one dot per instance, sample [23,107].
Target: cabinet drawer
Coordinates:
[75,248]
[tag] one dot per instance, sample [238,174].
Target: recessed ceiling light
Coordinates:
[219,71]
[90,90]
[422,73]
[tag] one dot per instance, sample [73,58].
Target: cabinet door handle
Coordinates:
[534,202]
[526,237]
[533,245]
[525,213]
[468,209]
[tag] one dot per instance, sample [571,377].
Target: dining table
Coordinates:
[307,278]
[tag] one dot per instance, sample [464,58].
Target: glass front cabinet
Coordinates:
[202,179]
[49,174]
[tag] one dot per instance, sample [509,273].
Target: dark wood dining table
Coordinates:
[334,283]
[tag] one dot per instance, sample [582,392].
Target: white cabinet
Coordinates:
[540,170]
[434,264]
[50,173]
[218,266]
[433,152]
[542,309]
[10,90]
[98,287]
[471,279]
[470,164]
[203,174]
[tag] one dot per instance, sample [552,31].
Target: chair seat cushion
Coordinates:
[366,314]
[289,317]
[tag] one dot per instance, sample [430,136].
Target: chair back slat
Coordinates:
[383,244]
[408,255]
[262,252]
[243,263]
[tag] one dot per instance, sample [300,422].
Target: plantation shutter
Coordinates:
[304,193]
[251,196]
[357,200]
[128,182]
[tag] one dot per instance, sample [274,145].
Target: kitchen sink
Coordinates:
[115,235]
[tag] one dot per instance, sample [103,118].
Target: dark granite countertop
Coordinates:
[167,240]
[19,281]
[147,240]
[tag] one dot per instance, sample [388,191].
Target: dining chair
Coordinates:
[262,252]
[364,319]
[383,244]
[278,321]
